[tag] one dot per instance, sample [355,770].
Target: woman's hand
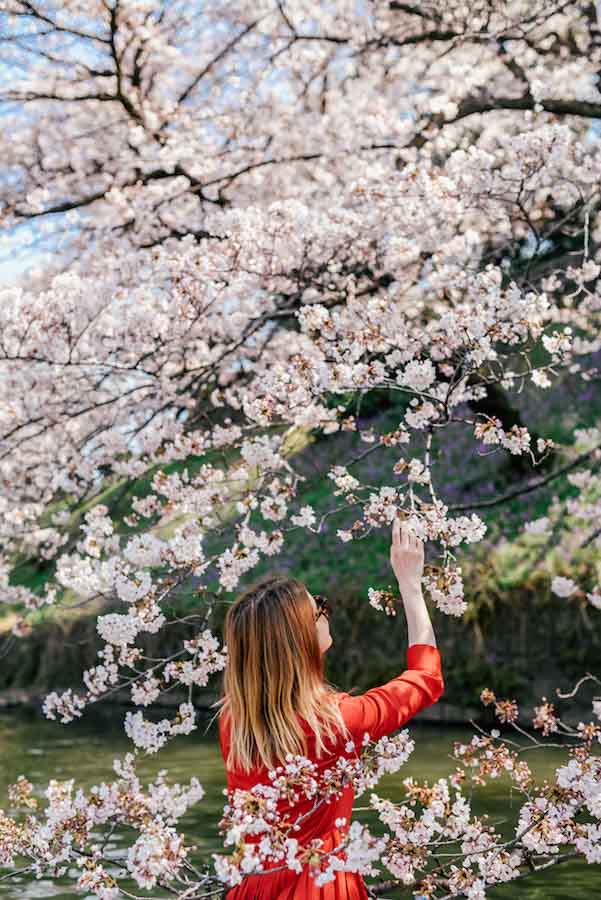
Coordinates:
[407,559]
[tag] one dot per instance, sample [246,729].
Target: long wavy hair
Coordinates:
[274,676]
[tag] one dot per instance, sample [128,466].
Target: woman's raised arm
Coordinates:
[383,709]
[407,560]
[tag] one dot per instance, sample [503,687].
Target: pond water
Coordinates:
[84,749]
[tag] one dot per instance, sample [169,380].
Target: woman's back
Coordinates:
[292,745]
[378,712]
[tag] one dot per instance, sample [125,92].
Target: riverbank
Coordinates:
[442,713]
[541,646]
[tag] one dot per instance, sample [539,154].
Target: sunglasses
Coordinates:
[323,607]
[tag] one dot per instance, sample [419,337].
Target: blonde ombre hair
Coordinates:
[274,675]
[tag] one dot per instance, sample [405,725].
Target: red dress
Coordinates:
[378,711]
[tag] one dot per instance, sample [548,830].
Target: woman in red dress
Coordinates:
[276,702]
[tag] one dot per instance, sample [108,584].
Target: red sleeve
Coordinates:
[383,709]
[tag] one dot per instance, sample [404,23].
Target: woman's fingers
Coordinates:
[403,536]
[413,541]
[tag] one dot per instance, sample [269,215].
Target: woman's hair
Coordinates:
[274,675]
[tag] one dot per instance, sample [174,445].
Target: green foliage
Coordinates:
[467,676]
[507,575]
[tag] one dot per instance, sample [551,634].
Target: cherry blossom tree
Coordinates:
[258,214]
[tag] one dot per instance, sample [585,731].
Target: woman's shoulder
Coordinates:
[340,698]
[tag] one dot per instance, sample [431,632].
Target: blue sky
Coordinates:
[16,259]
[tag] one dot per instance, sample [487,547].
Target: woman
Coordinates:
[277,702]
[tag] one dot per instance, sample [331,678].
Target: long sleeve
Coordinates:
[383,709]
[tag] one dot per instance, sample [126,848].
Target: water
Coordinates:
[41,749]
